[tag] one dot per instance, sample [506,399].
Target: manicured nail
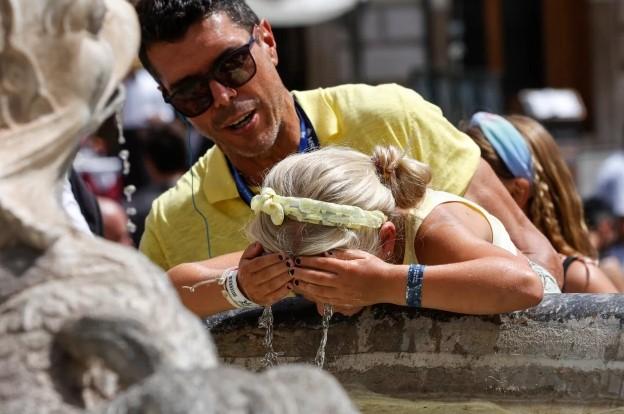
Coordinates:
[280,257]
[289,286]
[288,263]
[296,282]
[298,261]
[291,272]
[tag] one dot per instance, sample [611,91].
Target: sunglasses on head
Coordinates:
[234,69]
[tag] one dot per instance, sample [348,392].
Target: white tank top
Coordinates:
[500,237]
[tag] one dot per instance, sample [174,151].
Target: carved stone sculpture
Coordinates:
[84,323]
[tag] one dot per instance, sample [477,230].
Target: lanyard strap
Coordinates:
[308,141]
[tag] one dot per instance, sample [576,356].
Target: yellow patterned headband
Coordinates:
[307,210]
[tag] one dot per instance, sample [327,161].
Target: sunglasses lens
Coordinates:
[237,70]
[193,100]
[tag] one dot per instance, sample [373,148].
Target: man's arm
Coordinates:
[488,191]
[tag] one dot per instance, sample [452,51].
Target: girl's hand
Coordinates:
[344,278]
[264,279]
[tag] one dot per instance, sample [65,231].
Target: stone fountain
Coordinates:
[86,324]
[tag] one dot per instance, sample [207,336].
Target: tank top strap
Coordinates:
[431,200]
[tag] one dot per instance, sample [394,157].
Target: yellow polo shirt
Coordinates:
[357,116]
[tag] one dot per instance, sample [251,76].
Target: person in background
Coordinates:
[81,205]
[115,221]
[215,62]
[143,107]
[363,230]
[164,155]
[527,160]
[603,235]
[610,189]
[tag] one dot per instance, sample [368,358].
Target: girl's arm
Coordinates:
[264,279]
[465,273]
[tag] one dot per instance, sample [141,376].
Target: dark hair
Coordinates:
[164,146]
[596,210]
[169,20]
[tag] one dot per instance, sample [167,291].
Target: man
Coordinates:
[216,63]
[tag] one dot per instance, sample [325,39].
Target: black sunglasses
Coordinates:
[193,97]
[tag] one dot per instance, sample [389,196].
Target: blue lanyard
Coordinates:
[308,141]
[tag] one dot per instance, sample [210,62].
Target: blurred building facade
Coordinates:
[469,55]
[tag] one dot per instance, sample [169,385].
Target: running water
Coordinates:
[124,155]
[119,122]
[328,312]
[266,322]
[128,191]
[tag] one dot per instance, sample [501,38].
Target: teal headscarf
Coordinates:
[508,143]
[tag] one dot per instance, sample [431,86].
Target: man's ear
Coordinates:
[520,190]
[266,38]
[387,238]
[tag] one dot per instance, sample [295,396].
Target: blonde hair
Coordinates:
[555,207]
[385,181]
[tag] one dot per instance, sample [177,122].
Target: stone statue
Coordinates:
[86,324]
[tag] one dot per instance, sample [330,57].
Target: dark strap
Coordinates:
[566,265]
[87,202]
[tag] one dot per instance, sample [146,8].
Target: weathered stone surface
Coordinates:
[86,324]
[568,349]
[288,389]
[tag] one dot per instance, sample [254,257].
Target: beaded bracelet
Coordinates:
[413,291]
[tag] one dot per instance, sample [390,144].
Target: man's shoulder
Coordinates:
[361,94]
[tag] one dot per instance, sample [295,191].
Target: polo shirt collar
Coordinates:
[218,184]
[319,112]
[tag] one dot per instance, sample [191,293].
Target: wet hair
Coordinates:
[169,20]
[385,181]
[555,206]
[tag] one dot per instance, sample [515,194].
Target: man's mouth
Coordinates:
[242,121]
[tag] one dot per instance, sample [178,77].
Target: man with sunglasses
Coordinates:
[215,62]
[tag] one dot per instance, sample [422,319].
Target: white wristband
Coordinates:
[231,291]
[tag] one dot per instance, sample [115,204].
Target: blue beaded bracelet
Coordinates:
[413,291]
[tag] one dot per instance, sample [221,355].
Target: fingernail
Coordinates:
[280,257]
[288,263]
[296,282]
[298,261]
[330,252]
[291,272]
[289,286]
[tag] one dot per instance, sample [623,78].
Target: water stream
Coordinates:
[271,356]
[124,155]
[328,312]
[266,322]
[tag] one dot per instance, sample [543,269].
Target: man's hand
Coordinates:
[264,279]
[346,279]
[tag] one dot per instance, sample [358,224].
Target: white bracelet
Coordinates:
[231,291]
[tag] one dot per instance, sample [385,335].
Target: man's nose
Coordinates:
[221,93]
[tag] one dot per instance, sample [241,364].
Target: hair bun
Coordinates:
[405,177]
